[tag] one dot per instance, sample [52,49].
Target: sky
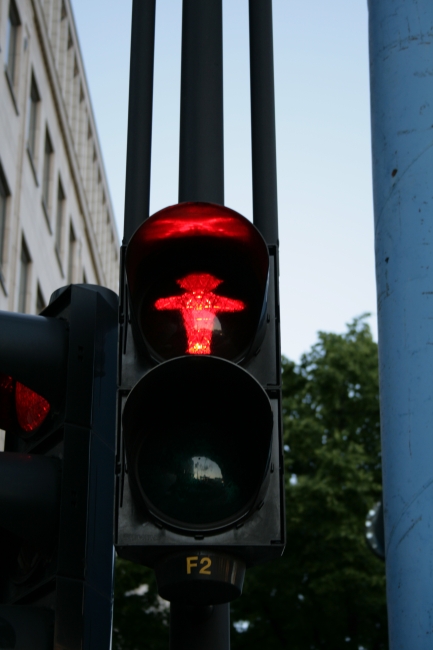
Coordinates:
[323,142]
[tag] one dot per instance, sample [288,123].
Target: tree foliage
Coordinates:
[140,616]
[328,590]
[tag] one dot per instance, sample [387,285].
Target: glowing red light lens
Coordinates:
[199,222]
[199,306]
[175,263]
[31,408]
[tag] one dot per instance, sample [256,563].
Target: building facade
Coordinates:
[56,219]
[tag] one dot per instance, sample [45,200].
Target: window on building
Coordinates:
[84,277]
[71,256]
[12,42]
[40,302]
[4,194]
[60,216]
[24,277]
[48,152]
[33,106]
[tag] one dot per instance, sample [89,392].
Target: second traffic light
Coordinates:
[199,433]
[57,404]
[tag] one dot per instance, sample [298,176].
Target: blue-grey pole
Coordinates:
[401,63]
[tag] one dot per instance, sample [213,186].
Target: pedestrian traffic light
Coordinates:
[199,471]
[57,405]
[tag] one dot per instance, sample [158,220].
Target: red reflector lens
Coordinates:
[31,408]
[199,307]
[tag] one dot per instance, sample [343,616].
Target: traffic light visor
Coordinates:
[197,275]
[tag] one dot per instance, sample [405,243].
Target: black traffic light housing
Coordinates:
[57,471]
[199,429]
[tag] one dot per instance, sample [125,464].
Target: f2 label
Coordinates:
[193,563]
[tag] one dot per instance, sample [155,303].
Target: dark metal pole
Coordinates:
[263,142]
[201,178]
[199,628]
[201,151]
[137,190]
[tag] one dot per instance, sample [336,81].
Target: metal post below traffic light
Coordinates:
[195,628]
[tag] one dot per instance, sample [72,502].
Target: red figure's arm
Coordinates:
[173,302]
[228,304]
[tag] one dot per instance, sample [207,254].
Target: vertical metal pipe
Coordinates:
[137,190]
[199,628]
[201,150]
[401,55]
[263,142]
[201,178]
